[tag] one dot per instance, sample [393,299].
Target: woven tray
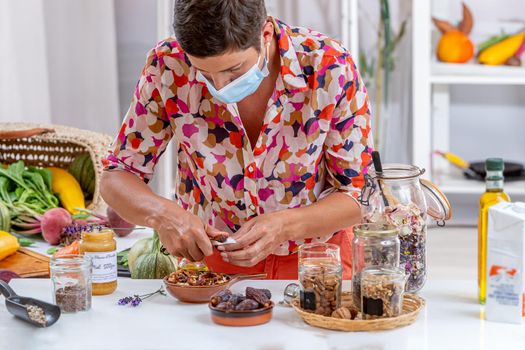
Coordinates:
[412,304]
[53,145]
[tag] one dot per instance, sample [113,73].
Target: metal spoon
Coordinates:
[18,306]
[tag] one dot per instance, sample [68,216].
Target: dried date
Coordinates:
[259,295]
[247,304]
[221,297]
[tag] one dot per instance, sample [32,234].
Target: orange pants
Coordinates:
[284,267]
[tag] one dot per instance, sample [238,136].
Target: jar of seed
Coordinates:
[320,277]
[71,276]
[382,291]
[373,245]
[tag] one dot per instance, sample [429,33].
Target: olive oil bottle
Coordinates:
[493,194]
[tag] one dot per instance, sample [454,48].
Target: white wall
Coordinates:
[136,25]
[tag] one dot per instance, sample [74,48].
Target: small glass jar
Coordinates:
[382,291]
[373,245]
[101,247]
[185,264]
[320,277]
[71,277]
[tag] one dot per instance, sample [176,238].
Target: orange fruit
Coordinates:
[455,47]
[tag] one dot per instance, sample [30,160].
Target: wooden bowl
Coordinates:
[203,294]
[236,318]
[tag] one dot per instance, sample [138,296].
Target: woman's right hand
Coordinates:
[182,233]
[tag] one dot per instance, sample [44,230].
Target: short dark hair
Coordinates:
[207,28]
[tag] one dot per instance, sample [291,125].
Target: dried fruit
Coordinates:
[237,298]
[198,278]
[254,299]
[247,304]
[258,295]
[225,306]
[221,297]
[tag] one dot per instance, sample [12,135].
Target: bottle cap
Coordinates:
[494,164]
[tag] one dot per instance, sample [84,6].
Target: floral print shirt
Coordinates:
[315,138]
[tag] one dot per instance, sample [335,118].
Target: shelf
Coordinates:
[456,184]
[476,74]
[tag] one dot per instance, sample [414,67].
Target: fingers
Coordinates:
[195,253]
[202,241]
[251,255]
[213,232]
[246,238]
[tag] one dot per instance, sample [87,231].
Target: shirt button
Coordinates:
[252,207]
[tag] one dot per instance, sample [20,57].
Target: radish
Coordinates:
[53,222]
[121,227]
[7,275]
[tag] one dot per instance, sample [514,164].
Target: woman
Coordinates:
[272,128]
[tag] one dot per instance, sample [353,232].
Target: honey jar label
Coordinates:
[104,266]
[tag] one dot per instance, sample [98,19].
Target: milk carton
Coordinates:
[506,263]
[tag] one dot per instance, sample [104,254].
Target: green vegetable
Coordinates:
[82,170]
[491,41]
[122,257]
[146,261]
[27,194]
[52,250]
[25,242]
[5,218]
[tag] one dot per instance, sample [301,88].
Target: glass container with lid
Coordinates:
[374,244]
[100,246]
[398,196]
[320,277]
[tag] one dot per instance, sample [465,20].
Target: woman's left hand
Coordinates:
[257,239]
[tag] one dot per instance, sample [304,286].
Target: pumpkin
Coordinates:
[146,261]
[455,47]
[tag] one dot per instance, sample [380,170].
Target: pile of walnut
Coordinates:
[253,300]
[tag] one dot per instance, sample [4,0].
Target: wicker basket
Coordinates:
[53,145]
[412,304]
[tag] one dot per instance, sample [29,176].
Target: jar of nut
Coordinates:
[373,245]
[320,277]
[382,292]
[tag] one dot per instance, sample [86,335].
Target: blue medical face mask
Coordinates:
[243,86]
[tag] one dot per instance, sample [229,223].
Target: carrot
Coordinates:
[69,249]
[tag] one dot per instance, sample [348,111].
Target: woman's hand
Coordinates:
[258,238]
[182,233]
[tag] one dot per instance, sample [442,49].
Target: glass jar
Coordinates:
[382,292]
[374,244]
[397,196]
[185,264]
[101,247]
[320,277]
[71,277]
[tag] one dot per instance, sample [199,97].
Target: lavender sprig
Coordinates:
[136,299]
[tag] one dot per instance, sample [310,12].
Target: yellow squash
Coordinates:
[499,53]
[8,244]
[68,189]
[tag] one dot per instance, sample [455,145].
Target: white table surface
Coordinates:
[451,320]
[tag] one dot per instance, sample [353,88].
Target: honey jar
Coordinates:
[101,248]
